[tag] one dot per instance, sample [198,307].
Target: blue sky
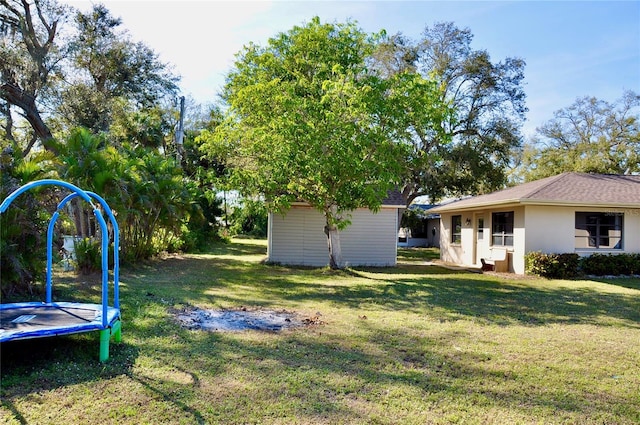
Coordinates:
[572,48]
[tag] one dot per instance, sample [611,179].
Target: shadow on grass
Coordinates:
[327,377]
[239,247]
[333,378]
[158,387]
[53,362]
[46,364]
[421,289]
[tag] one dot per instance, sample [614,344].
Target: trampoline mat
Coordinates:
[27,320]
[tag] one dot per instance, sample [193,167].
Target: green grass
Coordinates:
[413,344]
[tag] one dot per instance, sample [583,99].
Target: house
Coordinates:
[297,237]
[569,212]
[422,230]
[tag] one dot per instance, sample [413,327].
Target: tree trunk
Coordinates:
[333,238]
[335,250]
[14,95]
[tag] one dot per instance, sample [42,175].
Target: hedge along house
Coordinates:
[569,212]
[297,237]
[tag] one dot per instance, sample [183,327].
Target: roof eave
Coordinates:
[382,207]
[475,206]
[539,202]
[561,203]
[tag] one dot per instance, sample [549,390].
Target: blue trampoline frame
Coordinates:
[106,319]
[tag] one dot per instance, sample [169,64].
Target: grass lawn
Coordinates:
[414,344]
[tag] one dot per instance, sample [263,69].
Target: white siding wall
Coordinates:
[298,238]
[520,233]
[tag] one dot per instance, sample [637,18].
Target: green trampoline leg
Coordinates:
[105,334]
[117,331]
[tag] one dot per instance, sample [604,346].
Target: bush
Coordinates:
[250,219]
[553,266]
[202,228]
[23,230]
[414,220]
[611,264]
[88,255]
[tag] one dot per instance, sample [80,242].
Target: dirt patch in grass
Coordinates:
[243,319]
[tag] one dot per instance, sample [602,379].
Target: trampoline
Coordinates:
[37,319]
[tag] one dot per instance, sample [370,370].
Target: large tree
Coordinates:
[591,136]
[29,59]
[82,68]
[471,150]
[113,76]
[307,121]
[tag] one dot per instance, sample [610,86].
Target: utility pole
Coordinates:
[180,132]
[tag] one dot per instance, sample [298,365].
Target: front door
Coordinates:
[481,245]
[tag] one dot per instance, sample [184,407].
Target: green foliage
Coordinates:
[112,132]
[569,265]
[88,255]
[590,136]
[120,79]
[553,266]
[414,220]
[23,227]
[307,122]
[145,128]
[30,56]
[300,109]
[611,264]
[250,219]
[148,191]
[202,227]
[154,201]
[462,134]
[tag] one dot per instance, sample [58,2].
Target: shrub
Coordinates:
[415,221]
[250,219]
[553,266]
[611,264]
[88,255]
[23,230]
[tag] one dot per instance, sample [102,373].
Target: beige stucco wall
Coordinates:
[549,229]
[298,238]
[464,252]
[469,252]
[632,229]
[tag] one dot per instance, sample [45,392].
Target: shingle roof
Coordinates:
[566,188]
[394,198]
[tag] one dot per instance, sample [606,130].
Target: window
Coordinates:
[598,230]
[480,228]
[502,228]
[456,229]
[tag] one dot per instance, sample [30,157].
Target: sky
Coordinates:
[572,48]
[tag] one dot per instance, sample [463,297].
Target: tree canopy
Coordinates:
[81,68]
[29,59]
[590,136]
[81,101]
[308,120]
[471,150]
